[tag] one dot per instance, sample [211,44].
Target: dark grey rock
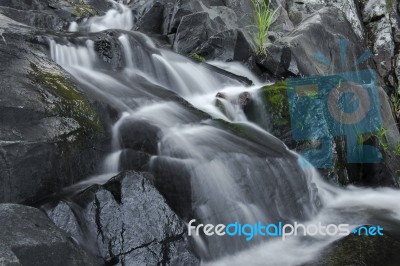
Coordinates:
[139,135]
[195,29]
[50,132]
[299,10]
[278,61]
[51,14]
[229,45]
[371,251]
[129,222]
[28,237]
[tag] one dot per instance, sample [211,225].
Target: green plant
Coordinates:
[197,57]
[380,135]
[263,17]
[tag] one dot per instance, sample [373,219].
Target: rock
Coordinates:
[179,10]
[229,45]
[299,10]
[152,17]
[395,21]
[134,160]
[278,61]
[139,135]
[51,14]
[195,29]
[281,22]
[382,41]
[397,67]
[374,10]
[50,132]
[361,250]
[128,220]
[244,11]
[28,237]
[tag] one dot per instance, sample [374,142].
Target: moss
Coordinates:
[71,103]
[85,11]
[276,99]
[197,57]
[81,9]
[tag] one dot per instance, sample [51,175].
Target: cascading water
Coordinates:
[235,169]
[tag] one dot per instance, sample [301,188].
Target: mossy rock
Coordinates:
[276,100]
[81,9]
[69,101]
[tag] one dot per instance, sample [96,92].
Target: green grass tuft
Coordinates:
[263,17]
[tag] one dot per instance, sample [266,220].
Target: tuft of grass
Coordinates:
[263,17]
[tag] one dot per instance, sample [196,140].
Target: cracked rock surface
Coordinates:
[128,221]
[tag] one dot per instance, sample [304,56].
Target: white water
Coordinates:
[119,17]
[231,178]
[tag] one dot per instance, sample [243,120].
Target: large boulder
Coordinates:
[229,45]
[127,221]
[28,237]
[300,10]
[195,29]
[50,132]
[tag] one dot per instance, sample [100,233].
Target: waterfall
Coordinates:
[236,170]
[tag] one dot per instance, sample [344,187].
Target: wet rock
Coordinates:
[50,132]
[28,237]
[195,29]
[139,135]
[134,160]
[129,221]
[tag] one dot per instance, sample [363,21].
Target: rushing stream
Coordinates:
[233,177]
